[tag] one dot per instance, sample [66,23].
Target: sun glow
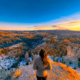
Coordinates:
[74,26]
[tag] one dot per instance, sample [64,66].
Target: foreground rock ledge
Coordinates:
[59,72]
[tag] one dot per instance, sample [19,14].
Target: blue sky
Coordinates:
[36,11]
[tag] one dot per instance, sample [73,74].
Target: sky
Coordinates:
[40,15]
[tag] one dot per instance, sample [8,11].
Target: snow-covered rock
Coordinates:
[23,62]
[6,63]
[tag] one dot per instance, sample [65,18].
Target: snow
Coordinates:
[6,63]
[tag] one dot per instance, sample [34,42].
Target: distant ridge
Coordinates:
[41,30]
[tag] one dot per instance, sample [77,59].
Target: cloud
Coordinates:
[65,23]
[67,19]
[54,25]
[75,25]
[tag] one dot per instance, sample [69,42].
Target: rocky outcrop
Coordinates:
[59,72]
[71,57]
[6,62]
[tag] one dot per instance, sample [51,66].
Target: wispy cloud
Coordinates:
[67,19]
[65,23]
[75,25]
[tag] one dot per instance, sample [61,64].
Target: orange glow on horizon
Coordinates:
[74,26]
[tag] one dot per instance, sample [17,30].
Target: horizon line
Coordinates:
[43,30]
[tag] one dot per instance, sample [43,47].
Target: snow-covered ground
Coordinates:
[6,62]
